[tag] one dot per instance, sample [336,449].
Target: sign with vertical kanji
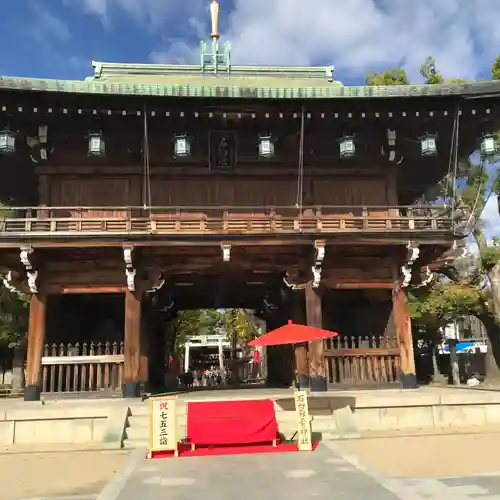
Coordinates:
[163,425]
[304,437]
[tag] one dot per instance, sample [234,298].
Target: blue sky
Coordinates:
[60,38]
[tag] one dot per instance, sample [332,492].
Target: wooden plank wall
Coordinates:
[216,191]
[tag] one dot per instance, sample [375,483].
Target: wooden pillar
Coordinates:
[317,363]
[402,320]
[301,360]
[145,344]
[132,348]
[36,339]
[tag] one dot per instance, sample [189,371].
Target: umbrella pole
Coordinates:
[296,369]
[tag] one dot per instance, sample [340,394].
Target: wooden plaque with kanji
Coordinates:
[163,425]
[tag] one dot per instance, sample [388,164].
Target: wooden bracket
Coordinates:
[320,247]
[130,271]
[31,272]
[226,252]
[412,255]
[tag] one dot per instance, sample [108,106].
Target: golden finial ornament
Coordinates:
[214,10]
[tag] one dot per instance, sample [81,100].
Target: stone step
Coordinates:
[132,444]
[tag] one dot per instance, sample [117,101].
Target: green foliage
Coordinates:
[195,322]
[490,255]
[445,303]
[395,76]
[429,72]
[495,69]
[239,324]
[14,310]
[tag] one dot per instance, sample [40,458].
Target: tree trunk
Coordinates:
[493,353]
[491,322]
[436,372]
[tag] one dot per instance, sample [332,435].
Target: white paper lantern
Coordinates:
[182,147]
[266,147]
[97,145]
[428,145]
[488,145]
[347,146]
[7,142]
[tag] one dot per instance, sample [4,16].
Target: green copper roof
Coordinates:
[248,82]
[245,77]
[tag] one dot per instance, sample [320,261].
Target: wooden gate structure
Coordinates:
[216,185]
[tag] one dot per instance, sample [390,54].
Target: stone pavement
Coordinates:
[326,473]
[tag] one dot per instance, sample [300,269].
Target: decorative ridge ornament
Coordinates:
[216,60]
[214,11]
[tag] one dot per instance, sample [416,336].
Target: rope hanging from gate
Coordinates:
[300,170]
[146,185]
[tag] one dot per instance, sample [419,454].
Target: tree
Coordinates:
[429,72]
[495,69]
[13,317]
[14,309]
[194,322]
[240,326]
[395,76]
[469,195]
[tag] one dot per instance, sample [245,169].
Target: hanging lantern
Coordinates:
[347,146]
[182,148]
[97,145]
[428,145]
[266,147]
[488,145]
[7,142]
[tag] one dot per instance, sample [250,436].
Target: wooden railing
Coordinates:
[88,221]
[82,368]
[362,360]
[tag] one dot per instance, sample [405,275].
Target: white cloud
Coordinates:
[152,15]
[354,35]
[491,217]
[46,26]
[358,35]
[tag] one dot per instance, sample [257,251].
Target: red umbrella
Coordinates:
[292,334]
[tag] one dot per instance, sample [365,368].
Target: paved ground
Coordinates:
[428,456]
[63,473]
[335,471]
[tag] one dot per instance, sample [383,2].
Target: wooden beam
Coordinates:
[66,290]
[317,363]
[403,328]
[36,339]
[132,345]
[357,286]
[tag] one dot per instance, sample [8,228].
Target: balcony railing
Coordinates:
[149,221]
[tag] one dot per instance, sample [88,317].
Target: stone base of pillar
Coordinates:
[303,382]
[318,384]
[32,393]
[408,380]
[131,389]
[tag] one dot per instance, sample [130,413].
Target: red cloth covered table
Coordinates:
[231,422]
